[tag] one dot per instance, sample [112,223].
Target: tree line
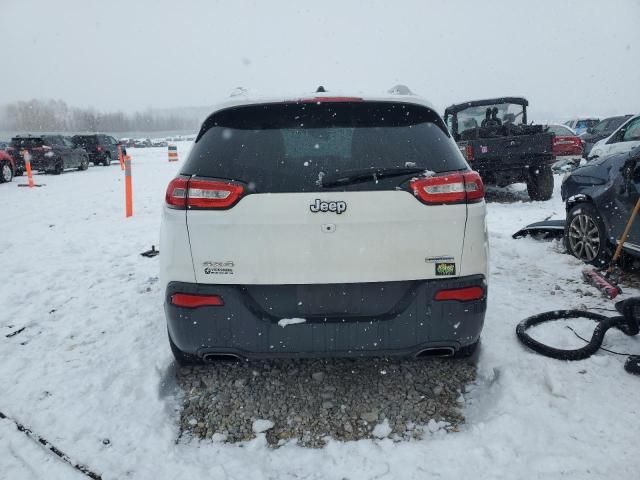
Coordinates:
[56,116]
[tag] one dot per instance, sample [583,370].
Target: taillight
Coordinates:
[176,196]
[465,294]
[188,300]
[449,188]
[185,193]
[98,148]
[468,152]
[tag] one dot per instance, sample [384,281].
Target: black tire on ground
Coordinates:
[467,350]
[59,167]
[107,160]
[183,359]
[585,235]
[6,172]
[540,183]
[84,163]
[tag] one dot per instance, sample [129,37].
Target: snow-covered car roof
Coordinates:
[561,125]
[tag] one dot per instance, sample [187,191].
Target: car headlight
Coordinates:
[49,154]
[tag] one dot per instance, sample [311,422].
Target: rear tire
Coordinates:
[58,168]
[6,172]
[585,236]
[183,359]
[84,164]
[540,184]
[107,160]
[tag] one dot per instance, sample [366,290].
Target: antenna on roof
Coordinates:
[400,90]
[236,92]
[320,89]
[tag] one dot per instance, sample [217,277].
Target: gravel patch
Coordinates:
[309,401]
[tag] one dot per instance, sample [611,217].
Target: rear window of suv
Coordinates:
[85,139]
[287,147]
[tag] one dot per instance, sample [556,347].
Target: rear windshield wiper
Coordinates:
[348,177]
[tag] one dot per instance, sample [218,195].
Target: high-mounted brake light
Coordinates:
[465,294]
[449,188]
[331,99]
[185,193]
[188,300]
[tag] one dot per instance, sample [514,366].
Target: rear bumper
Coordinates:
[496,171]
[39,162]
[238,328]
[96,156]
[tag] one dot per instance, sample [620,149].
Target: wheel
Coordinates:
[467,350]
[84,163]
[585,235]
[6,172]
[59,167]
[183,359]
[107,160]
[540,183]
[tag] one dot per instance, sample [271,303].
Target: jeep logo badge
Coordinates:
[322,206]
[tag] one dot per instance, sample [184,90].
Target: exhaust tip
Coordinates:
[436,352]
[220,357]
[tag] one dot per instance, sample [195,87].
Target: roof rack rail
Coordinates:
[400,90]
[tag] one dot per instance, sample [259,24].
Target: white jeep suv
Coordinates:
[324,226]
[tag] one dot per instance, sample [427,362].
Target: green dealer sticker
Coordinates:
[445,268]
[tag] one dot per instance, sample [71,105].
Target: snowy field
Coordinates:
[92,371]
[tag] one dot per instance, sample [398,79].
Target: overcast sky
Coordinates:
[567,57]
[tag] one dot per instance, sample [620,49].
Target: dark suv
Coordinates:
[102,149]
[599,198]
[48,153]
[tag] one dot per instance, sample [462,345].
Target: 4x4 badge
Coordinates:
[322,206]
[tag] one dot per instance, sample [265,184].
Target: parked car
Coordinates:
[497,142]
[599,199]
[102,149]
[580,125]
[7,167]
[567,147]
[48,153]
[159,142]
[624,139]
[142,143]
[602,130]
[126,142]
[375,225]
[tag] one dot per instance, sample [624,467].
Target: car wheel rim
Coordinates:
[6,173]
[584,237]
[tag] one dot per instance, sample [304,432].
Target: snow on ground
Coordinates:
[92,371]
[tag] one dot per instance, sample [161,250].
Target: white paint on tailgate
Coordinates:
[277,239]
